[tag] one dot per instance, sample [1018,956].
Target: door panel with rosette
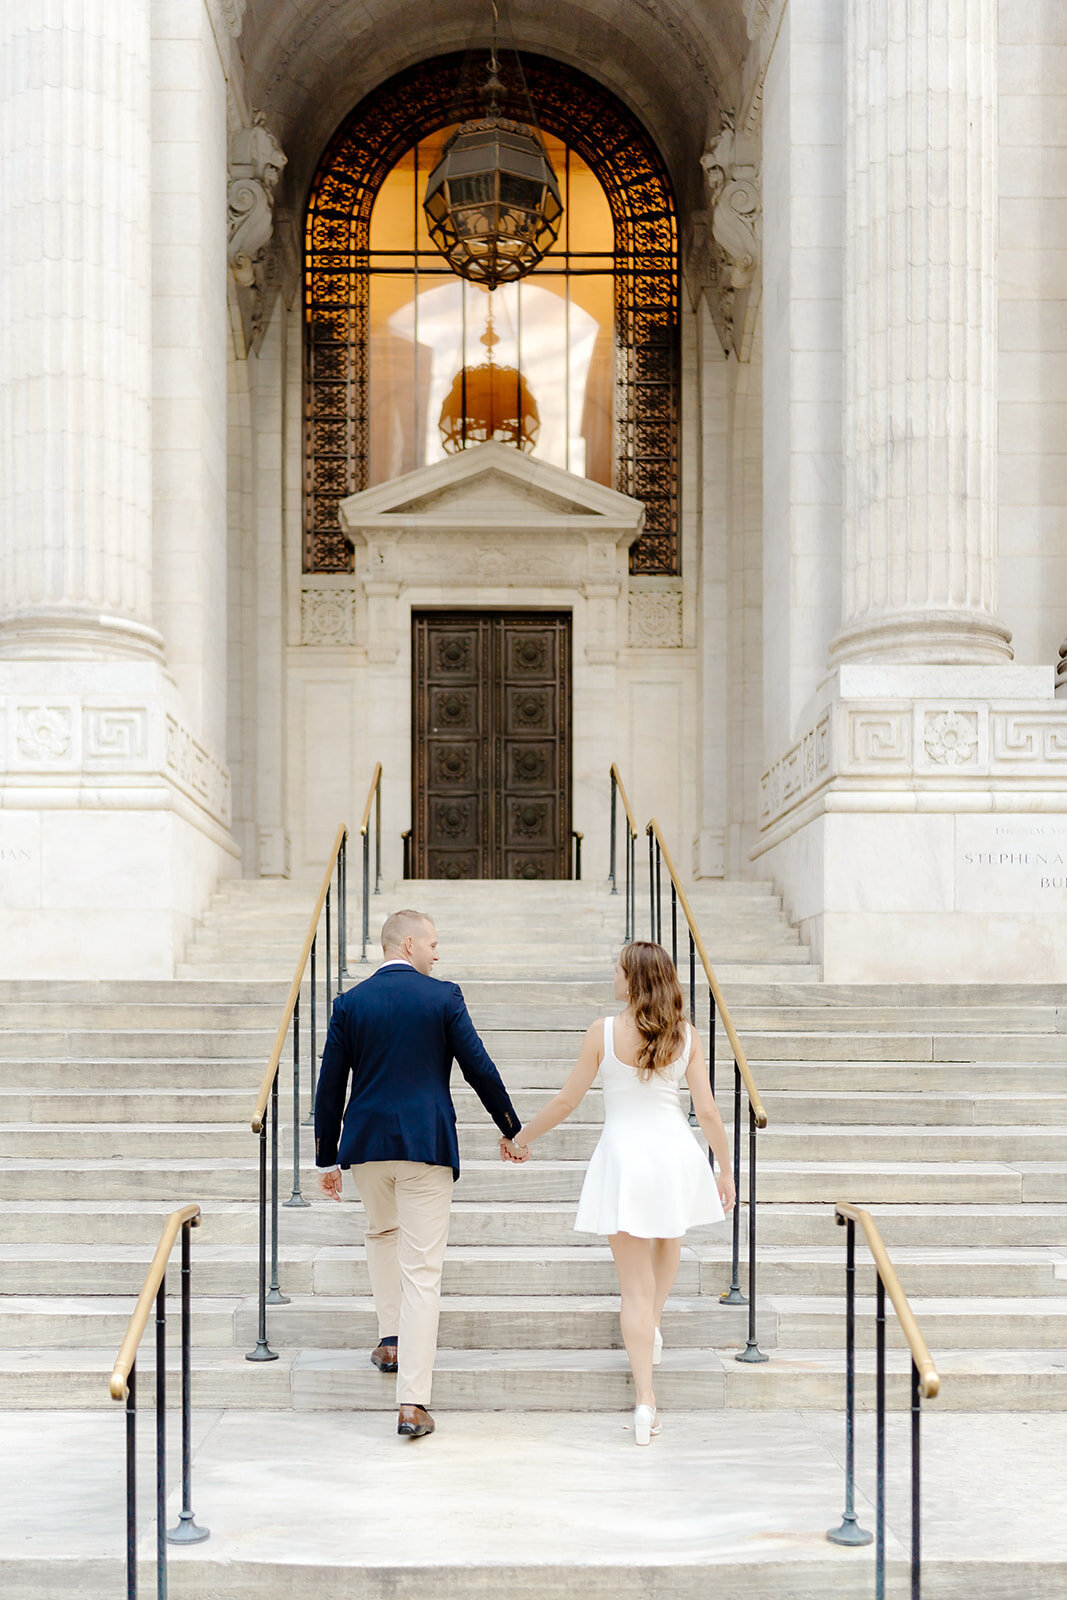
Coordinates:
[491,767]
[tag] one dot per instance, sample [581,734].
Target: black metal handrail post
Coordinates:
[850,1532]
[313,1063]
[577,864]
[752,1351]
[366,895]
[187,1531]
[131,1483]
[296,1198]
[651,887]
[879,1448]
[916,1483]
[161,1439]
[274,1293]
[262,1351]
[378,837]
[733,1295]
[374,797]
[611,852]
[342,914]
[619,797]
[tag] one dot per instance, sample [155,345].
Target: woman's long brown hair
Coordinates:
[656,1003]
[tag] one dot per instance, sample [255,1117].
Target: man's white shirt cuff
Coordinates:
[334,1168]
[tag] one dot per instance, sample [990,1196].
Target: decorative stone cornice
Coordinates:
[256,164]
[889,745]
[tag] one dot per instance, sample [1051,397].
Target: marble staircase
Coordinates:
[944,1110]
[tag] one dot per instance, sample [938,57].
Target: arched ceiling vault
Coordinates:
[673,62]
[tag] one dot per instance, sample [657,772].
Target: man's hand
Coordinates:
[330,1184]
[510,1151]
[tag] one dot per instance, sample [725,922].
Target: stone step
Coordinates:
[501,1322]
[228,1269]
[781,968]
[1003,1323]
[51,1322]
[586,1381]
[797,1109]
[151,1178]
[102,1044]
[574,1140]
[929,1108]
[27,1016]
[105,1223]
[509,1223]
[841,1078]
[542,1063]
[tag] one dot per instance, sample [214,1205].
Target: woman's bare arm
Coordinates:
[707,1114]
[574,1090]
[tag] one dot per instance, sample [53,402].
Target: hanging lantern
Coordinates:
[492,202]
[489,402]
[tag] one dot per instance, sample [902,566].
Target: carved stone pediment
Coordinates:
[493,485]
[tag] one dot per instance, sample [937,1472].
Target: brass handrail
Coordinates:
[294,988]
[928,1373]
[713,983]
[153,1278]
[614,773]
[374,782]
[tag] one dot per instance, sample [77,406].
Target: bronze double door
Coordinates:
[491,725]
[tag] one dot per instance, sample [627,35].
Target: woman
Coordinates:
[648,1180]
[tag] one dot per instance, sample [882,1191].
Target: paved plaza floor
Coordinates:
[495,1502]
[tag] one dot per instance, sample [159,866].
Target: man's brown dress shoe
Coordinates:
[384,1358]
[414,1421]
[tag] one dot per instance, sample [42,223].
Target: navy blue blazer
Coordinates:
[396,1034]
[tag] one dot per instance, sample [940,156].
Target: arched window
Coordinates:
[401,353]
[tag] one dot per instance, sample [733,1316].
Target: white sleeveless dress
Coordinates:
[648,1176]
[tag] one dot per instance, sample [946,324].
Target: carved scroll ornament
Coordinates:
[256,162]
[730,166]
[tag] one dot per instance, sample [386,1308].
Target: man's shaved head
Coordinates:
[397,927]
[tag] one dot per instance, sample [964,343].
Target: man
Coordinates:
[396,1034]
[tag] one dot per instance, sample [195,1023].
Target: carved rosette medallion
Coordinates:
[951,739]
[44,733]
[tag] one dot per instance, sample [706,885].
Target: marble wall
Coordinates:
[802,368]
[1032,266]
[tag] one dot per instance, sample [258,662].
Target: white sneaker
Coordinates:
[657,1348]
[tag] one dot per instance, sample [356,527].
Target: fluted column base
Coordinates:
[75,634]
[937,638]
[114,819]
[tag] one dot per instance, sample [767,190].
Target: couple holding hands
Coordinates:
[395,1037]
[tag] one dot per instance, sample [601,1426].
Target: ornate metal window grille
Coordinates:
[361,153]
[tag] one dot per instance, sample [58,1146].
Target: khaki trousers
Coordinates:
[407,1205]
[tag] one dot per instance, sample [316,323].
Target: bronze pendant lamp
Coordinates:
[492,203]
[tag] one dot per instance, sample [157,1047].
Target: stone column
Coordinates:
[75,335]
[920,542]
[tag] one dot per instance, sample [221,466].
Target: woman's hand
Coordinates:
[514,1150]
[727,1193]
